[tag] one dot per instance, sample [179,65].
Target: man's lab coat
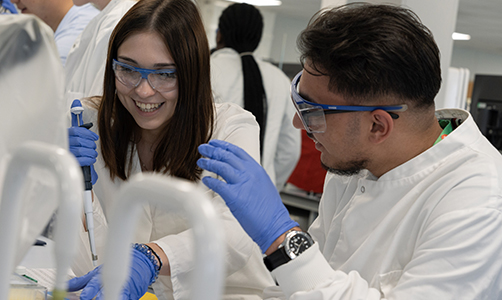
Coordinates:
[85,64]
[282,143]
[430,228]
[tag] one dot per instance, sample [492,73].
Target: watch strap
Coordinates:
[276,259]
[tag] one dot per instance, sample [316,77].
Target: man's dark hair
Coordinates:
[372,51]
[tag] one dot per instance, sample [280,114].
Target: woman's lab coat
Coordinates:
[282,143]
[430,228]
[246,274]
[85,64]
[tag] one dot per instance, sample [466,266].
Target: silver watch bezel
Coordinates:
[288,249]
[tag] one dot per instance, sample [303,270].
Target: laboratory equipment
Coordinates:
[22,287]
[64,166]
[77,112]
[486,107]
[177,195]
[34,165]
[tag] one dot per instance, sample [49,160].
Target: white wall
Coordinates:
[477,61]
[286,30]
[281,31]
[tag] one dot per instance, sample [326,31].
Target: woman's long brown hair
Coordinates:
[179,23]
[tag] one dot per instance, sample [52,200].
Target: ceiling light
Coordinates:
[259,2]
[460,36]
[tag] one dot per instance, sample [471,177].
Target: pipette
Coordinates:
[77,110]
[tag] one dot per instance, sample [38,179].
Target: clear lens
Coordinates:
[127,76]
[314,119]
[162,81]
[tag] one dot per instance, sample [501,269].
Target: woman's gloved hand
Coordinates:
[83,146]
[248,191]
[9,6]
[142,274]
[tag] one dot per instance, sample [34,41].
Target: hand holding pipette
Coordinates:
[83,146]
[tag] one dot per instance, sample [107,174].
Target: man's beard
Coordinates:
[350,169]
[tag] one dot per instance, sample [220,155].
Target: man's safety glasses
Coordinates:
[312,114]
[159,80]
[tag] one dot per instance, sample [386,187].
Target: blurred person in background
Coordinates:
[66,20]
[263,89]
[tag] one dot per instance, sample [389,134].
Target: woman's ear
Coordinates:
[382,126]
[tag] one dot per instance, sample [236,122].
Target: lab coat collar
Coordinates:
[456,142]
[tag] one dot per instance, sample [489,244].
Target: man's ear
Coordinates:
[382,126]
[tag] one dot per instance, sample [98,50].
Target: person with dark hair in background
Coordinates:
[157,108]
[411,207]
[258,86]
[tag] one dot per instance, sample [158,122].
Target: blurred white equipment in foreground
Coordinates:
[180,196]
[33,139]
[69,175]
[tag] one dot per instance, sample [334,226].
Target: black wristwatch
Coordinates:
[293,245]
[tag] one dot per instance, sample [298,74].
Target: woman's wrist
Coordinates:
[159,254]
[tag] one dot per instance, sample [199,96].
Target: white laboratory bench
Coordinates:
[39,257]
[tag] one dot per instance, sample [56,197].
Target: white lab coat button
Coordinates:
[362,189]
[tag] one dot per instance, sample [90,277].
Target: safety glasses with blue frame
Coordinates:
[312,114]
[160,80]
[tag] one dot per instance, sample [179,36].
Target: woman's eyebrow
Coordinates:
[157,65]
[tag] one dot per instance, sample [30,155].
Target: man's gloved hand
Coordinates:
[9,6]
[141,276]
[248,191]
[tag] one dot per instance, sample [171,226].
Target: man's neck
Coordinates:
[404,148]
[101,4]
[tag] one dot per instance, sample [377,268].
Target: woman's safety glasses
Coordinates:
[312,114]
[159,80]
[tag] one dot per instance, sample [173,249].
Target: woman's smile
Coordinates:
[148,107]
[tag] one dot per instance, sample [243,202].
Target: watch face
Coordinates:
[298,243]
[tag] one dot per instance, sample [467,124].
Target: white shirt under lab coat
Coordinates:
[430,228]
[282,143]
[85,64]
[246,274]
[70,27]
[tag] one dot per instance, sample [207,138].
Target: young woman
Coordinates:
[157,108]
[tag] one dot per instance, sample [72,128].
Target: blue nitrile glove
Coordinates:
[140,277]
[9,6]
[248,191]
[83,143]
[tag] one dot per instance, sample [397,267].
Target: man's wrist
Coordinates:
[275,245]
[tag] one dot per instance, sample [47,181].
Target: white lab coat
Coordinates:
[430,228]
[246,274]
[70,27]
[282,144]
[85,64]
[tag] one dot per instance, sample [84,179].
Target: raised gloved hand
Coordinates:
[142,275]
[9,6]
[83,143]
[248,191]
